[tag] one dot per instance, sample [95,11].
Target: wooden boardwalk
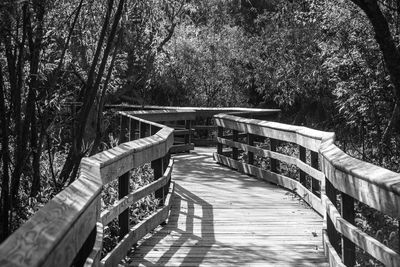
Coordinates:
[222,218]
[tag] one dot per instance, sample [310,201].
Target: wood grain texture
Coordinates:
[306,137]
[138,232]
[95,256]
[222,218]
[369,244]
[275,178]
[368,183]
[316,174]
[119,160]
[110,214]
[56,232]
[330,252]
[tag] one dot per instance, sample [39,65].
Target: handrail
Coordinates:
[332,172]
[64,231]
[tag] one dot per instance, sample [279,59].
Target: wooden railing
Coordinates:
[331,173]
[194,126]
[68,230]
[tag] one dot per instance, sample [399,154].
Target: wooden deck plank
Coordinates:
[222,218]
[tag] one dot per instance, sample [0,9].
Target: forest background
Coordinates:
[331,65]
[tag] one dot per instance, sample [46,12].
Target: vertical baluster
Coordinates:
[142,129]
[250,155]
[302,157]
[166,159]
[123,182]
[220,135]
[333,235]
[134,124]
[315,184]
[158,168]
[235,151]
[348,247]
[188,136]
[274,162]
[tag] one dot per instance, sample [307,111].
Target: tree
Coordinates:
[390,52]
[90,90]
[22,28]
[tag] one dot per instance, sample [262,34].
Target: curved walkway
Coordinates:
[223,218]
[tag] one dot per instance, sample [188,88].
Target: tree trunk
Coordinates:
[75,154]
[391,54]
[5,195]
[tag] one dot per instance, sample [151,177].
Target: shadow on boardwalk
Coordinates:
[220,217]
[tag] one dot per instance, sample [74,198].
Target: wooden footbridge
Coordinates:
[268,194]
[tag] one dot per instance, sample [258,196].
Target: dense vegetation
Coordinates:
[332,65]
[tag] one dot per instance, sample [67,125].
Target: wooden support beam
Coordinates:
[302,157]
[235,151]
[333,235]
[157,166]
[188,136]
[348,247]
[220,134]
[274,162]
[134,130]
[250,155]
[123,182]
[142,129]
[315,184]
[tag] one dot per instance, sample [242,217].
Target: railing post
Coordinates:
[274,162]
[142,129]
[157,166]
[221,135]
[123,183]
[302,157]
[235,151]
[250,155]
[134,125]
[165,163]
[333,235]
[315,184]
[188,136]
[158,169]
[348,247]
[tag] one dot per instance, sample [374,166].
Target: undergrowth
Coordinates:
[143,208]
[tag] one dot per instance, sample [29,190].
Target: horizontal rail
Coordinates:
[110,214]
[369,244]
[368,183]
[306,137]
[138,232]
[316,174]
[165,114]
